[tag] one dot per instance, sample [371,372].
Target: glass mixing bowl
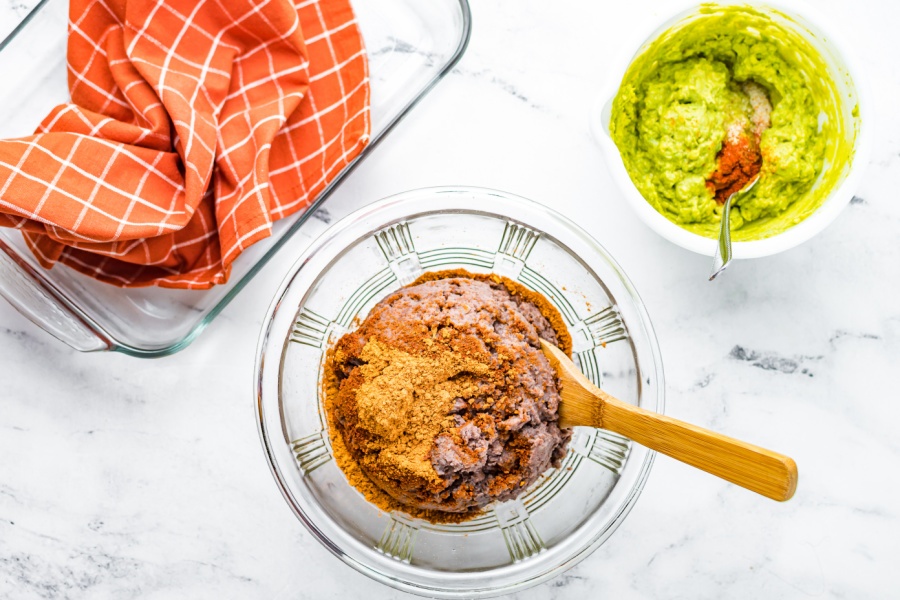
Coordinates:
[563,516]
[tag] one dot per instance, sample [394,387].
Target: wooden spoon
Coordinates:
[765,472]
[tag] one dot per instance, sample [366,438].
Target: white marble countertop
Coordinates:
[127,478]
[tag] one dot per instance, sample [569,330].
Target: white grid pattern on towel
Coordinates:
[140,229]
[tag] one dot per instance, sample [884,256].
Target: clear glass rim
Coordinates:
[268,403]
[22,24]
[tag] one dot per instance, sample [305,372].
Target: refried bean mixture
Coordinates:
[442,397]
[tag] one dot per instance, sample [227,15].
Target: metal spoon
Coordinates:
[723,248]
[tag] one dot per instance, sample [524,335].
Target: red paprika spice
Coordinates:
[738,162]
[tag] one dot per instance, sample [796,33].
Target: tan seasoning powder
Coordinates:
[404,401]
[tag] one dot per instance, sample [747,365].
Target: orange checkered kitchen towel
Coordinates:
[194,124]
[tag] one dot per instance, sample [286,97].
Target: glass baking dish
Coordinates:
[411,44]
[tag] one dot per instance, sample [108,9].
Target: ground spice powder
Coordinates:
[740,159]
[406,423]
[737,163]
[403,401]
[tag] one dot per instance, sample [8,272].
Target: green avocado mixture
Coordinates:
[670,115]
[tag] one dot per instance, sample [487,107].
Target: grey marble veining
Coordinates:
[122,478]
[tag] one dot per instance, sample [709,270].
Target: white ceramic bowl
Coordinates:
[847,74]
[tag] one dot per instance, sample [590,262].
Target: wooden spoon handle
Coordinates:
[765,472]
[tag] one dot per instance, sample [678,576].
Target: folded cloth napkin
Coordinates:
[194,124]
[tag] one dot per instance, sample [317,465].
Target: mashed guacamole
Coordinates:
[679,96]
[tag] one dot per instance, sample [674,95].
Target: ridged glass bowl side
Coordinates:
[559,519]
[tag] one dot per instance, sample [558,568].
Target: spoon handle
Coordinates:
[765,472]
[722,257]
[723,245]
